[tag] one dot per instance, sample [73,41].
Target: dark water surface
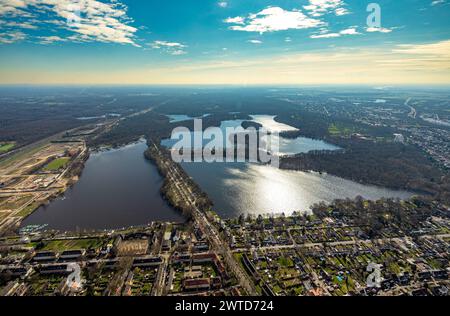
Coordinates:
[118,188]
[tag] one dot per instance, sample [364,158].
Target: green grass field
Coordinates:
[61,245]
[22,154]
[5,147]
[56,164]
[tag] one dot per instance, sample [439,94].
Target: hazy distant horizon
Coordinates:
[379,87]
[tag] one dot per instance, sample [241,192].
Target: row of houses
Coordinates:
[50,256]
[202,284]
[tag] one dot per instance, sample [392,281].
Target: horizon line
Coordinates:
[375,85]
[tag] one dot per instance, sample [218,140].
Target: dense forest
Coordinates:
[29,114]
[386,164]
[317,126]
[130,129]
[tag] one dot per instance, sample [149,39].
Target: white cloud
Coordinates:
[160,44]
[437,2]
[12,7]
[173,48]
[273,19]
[318,8]
[50,39]
[255,41]
[177,52]
[235,20]
[341,11]
[90,20]
[17,25]
[223,4]
[324,33]
[12,37]
[350,31]
[378,29]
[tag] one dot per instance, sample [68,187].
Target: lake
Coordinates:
[242,188]
[117,188]
[237,188]
[290,146]
[287,146]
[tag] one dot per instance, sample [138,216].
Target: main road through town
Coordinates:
[219,245]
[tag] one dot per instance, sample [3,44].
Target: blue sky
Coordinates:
[234,41]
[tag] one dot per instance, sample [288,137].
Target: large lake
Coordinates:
[237,188]
[120,188]
[117,188]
